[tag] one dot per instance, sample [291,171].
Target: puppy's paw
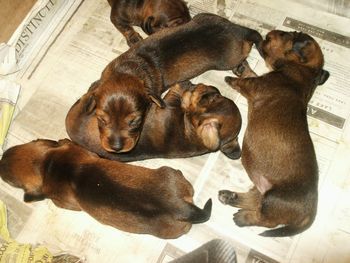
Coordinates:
[239,70]
[133,38]
[233,82]
[230,80]
[227,197]
[244,218]
[243,70]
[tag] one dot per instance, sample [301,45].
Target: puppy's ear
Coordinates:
[33,197]
[322,77]
[90,104]
[298,49]
[94,85]
[157,100]
[208,131]
[147,25]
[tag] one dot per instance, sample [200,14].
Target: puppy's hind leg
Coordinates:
[249,203]
[250,200]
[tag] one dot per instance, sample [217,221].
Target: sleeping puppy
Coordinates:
[277,151]
[131,198]
[130,82]
[150,15]
[197,119]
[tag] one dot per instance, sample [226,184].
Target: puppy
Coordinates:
[277,151]
[130,82]
[150,15]
[197,119]
[130,198]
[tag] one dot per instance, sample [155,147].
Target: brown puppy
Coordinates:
[122,95]
[150,15]
[277,151]
[197,119]
[130,198]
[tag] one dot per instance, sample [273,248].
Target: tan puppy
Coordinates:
[150,15]
[197,119]
[129,83]
[131,198]
[277,151]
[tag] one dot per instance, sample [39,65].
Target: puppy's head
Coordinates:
[22,165]
[280,47]
[166,14]
[214,118]
[119,106]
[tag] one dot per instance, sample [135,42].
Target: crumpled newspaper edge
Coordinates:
[14,252]
[9,92]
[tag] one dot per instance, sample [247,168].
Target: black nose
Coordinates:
[116,144]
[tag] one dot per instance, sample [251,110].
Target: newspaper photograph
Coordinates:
[57,77]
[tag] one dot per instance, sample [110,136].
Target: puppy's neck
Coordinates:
[143,66]
[298,72]
[303,76]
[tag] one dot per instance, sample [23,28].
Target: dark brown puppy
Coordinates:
[129,83]
[277,151]
[197,119]
[130,198]
[150,15]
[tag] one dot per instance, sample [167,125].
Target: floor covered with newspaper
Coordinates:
[75,55]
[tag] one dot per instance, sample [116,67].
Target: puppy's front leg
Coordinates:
[132,37]
[242,85]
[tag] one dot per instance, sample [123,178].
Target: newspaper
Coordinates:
[15,252]
[32,34]
[77,58]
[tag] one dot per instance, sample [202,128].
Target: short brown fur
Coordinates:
[139,76]
[158,202]
[277,151]
[197,119]
[150,15]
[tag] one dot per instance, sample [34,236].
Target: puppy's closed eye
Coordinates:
[136,122]
[102,121]
[102,118]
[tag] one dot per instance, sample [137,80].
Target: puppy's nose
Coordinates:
[117,147]
[117,144]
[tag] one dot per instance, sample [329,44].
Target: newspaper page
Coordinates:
[32,33]
[78,57]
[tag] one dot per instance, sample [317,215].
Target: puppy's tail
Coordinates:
[255,37]
[285,231]
[196,215]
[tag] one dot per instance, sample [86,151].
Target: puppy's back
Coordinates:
[206,42]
